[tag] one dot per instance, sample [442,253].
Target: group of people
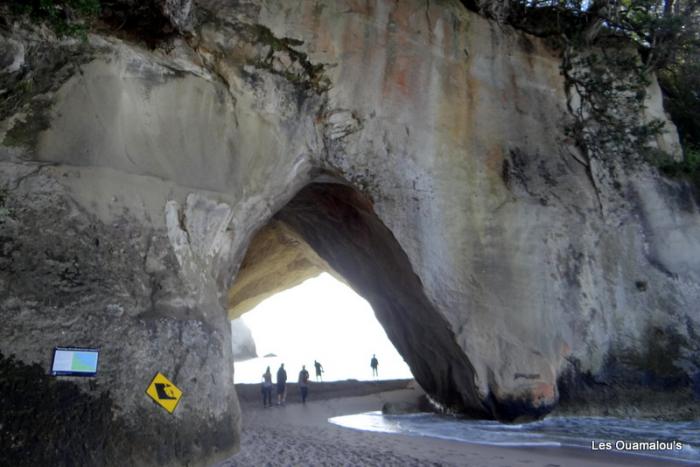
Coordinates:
[281,383]
[303,382]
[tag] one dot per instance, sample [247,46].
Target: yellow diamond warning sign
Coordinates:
[164,392]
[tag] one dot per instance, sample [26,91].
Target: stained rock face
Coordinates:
[418,151]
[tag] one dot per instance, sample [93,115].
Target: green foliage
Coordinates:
[666,34]
[66,17]
[680,81]
[611,85]
[688,168]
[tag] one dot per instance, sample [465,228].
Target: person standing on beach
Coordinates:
[281,385]
[374,363]
[304,383]
[319,370]
[267,388]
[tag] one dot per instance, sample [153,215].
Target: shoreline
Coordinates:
[297,434]
[249,393]
[629,458]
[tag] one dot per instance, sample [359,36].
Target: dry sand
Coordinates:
[300,435]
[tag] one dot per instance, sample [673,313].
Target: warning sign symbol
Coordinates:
[164,392]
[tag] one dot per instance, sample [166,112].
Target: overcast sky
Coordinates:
[321,319]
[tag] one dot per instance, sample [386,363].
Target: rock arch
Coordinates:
[331,226]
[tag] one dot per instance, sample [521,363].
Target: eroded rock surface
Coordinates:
[507,272]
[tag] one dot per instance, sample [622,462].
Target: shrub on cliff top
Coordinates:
[66,17]
[666,33]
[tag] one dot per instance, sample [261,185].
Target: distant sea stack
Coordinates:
[161,178]
[242,341]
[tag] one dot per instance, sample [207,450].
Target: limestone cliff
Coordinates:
[418,150]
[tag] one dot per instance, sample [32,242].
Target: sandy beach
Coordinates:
[300,435]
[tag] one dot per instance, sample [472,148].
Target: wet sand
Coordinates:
[300,435]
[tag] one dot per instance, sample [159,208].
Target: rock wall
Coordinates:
[456,128]
[133,180]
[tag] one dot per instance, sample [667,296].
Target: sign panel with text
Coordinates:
[74,361]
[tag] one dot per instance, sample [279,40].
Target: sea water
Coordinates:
[551,432]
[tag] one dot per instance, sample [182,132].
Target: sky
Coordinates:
[320,319]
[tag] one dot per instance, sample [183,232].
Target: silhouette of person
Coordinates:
[304,383]
[281,385]
[374,363]
[319,370]
[267,388]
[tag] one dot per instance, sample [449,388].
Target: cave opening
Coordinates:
[322,320]
[330,226]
